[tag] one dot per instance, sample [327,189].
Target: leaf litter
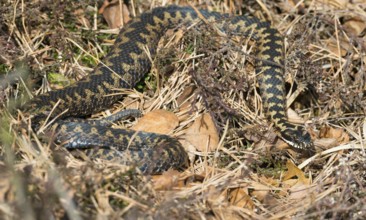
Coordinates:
[201,89]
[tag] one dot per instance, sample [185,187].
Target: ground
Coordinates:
[202,90]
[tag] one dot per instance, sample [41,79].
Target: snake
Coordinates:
[129,59]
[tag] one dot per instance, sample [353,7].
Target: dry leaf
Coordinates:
[215,197]
[226,213]
[331,3]
[157,121]
[326,143]
[260,191]
[115,14]
[293,170]
[294,117]
[184,102]
[289,5]
[167,180]
[332,46]
[299,191]
[336,133]
[355,26]
[192,179]
[202,134]
[281,144]
[296,189]
[186,94]
[148,103]
[240,198]
[331,137]
[269,181]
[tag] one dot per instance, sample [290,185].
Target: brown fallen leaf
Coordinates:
[299,191]
[269,181]
[296,189]
[294,117]
[330,137]
[355,25]
[167,180]
[262,186]
[326,143]
[114,13]
[184,102]
[291,5]
[192,179]
[186,94]
[281,145]
[336,3]
[260,191]
[157,121]
[216,196]
[293,170]
[332,46]
[286,185]
[202,134]
[239,197]
[336,133]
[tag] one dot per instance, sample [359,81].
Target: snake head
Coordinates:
[299,139]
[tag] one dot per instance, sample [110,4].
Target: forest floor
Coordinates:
[202,90]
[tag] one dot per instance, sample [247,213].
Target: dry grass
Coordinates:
[248,174]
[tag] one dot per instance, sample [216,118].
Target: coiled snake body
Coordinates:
[128,62]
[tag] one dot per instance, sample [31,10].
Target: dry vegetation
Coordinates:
[202,89]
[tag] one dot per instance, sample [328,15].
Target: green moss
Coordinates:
[4,69]
[58,79]
[269,167]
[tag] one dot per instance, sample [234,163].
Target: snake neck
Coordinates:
[270,72]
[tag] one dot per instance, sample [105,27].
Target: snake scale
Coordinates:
[128,62]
